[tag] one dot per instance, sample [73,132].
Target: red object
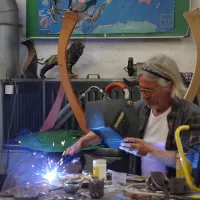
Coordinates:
[112,85]
[52,116]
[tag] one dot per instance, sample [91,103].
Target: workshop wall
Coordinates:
[108,57]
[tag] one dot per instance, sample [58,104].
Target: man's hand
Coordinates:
[139,147]
[75,148]
[85,141]
[135,146]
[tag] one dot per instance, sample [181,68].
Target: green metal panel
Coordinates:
[51,141]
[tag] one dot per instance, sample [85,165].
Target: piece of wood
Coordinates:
[193,19]
[68,25]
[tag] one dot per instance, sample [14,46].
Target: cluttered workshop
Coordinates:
[99,99]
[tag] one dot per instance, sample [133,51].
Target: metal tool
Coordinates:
[132,68]
[68,187]
[68,158]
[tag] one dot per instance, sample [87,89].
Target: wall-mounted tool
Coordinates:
[132,68]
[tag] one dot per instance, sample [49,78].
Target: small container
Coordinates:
[99,169]
[96,188]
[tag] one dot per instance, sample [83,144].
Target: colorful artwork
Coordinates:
[108,16]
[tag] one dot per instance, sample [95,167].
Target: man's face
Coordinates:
[154,95]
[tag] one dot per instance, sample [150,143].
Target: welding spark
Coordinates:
[48,170]
[63,143]
[50,175]
[38,155]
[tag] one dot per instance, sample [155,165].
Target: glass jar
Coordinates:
[99,168]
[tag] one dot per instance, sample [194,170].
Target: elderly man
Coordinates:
[161,110]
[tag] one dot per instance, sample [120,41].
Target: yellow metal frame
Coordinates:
[183,158]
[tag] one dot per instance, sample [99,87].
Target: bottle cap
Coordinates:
[99,161]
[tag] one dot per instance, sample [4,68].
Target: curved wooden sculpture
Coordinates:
[74,52]
[30,66]
[193,19]
[68,25]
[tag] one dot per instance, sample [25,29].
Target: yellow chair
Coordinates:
[183,159]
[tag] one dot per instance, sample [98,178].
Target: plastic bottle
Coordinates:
[99,168]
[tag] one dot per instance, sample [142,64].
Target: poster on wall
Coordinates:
[108,16]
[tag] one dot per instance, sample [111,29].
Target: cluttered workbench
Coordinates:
[40,175]
[43,175]
[118,186]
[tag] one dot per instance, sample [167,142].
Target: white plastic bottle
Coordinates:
[99,168]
